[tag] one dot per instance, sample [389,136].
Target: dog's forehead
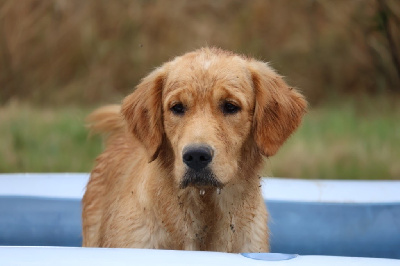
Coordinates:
[206,70]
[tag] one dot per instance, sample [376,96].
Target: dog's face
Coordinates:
[208,106]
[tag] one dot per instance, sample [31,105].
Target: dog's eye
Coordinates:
[178,109]
[230,108]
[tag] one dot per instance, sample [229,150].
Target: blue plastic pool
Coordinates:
[328,218]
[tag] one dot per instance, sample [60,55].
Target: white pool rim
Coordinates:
[72,186]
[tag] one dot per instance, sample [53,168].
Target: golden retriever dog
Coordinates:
[182,156]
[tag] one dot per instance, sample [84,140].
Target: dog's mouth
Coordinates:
[202,178]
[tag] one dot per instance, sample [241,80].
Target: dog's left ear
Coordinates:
[142,112]
[278,108]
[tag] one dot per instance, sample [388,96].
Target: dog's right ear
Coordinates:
[142,111]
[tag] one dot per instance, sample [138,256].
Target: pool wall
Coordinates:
[42,213]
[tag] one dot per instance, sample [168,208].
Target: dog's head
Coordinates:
[207,107]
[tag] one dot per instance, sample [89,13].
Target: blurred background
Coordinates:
[61,59]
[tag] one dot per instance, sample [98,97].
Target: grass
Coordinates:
[45,140]
[348,140]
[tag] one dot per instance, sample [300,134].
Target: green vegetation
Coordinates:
[45,140]
[350,140]
[79,53]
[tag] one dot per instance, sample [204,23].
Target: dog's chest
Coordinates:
[204,226]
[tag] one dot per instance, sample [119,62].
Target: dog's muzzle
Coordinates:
[197,158]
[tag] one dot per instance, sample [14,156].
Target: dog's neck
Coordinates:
[203,210]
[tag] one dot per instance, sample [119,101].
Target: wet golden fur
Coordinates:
[134,197]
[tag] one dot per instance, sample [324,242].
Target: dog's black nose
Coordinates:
[197,157]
